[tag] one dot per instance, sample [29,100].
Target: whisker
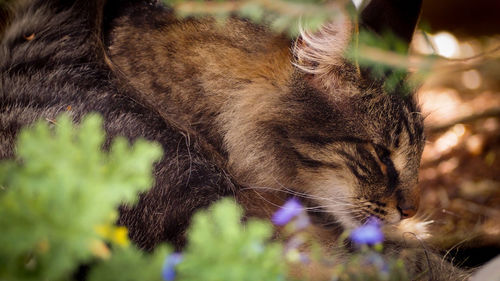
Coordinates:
[301,194]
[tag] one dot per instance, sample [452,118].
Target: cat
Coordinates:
[282,114]
[287,117]
[236,112]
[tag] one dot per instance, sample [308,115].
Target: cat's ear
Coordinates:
[322,53]
[392,23]
[398,17]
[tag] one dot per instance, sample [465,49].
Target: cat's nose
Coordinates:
[407,209]
[408,201]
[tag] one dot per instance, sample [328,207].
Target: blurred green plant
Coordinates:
[281,15]
[130,264]
[386,57]
[370,265]
[60,190]
[221,248]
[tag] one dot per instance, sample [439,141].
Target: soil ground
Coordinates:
[460,169]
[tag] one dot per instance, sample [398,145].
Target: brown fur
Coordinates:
[275,123]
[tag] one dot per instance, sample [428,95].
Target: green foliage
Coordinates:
[385,56]
[282,15]
[130,264]
[370,265]
[59,190]
[221,248]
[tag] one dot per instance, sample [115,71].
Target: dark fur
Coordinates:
[64,65]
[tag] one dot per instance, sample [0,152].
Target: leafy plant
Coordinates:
[130,264]
[60,191]
[282,15]
[221,248]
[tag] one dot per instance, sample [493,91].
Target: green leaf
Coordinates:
[131,264]
[221,248]
[61,187]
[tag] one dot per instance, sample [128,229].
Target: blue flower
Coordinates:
[369,233]
[168,271]
[287,212]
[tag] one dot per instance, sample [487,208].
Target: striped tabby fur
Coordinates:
[282,116]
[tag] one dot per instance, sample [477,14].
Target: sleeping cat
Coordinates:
[287,118]
[282,116]
[235,110]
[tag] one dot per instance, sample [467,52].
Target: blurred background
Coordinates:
[460,172]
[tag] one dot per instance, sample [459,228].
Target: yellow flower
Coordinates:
[120,236]
[117,235]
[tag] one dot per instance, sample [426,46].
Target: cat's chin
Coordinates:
[412,231]
[409,231]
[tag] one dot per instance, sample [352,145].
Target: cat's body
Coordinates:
[327,132]
[233,113]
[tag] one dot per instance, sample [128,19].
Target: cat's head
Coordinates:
[355,147]
[339,140]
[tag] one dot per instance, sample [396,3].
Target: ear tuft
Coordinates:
[321,52]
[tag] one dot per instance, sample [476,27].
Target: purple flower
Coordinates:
[287,212]
[369,233]
[168,271]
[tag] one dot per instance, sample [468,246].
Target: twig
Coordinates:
[416,62]
[301,11]
[492,112]
[279,6]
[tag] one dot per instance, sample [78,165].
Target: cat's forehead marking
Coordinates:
[399,159]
